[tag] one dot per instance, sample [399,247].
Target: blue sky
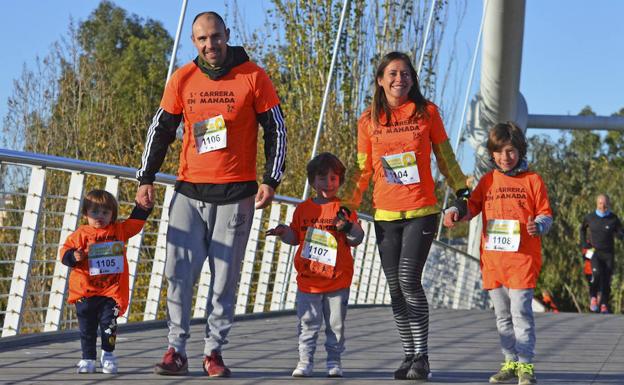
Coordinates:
[573,51]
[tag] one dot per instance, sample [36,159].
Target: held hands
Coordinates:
[145,196]
[80,255]
[342,220]
[264,196]
[450,217]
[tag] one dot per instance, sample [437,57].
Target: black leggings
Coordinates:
[403,247]
[602,270]
[91,312]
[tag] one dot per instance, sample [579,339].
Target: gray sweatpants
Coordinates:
[514,321]
[312,311]
[199,230]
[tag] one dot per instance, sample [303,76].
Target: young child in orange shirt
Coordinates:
[98,281]
[324,232]
[516,212]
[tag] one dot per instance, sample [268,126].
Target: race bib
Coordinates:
[210,134]
[401,168]
[502,235]
[106,258]
[320,246]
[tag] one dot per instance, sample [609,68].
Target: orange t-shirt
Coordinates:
[405,134]
[499,196]
[238,97]
[114,286]
[313,277]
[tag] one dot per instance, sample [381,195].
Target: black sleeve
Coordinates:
[69,259]
[140,213]
[160,134]
[272,122]
[461,201]
[583,234]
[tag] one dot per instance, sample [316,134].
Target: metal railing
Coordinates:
[40,200]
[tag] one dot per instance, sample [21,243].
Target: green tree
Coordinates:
[576,168]
[296,50]
[90,98]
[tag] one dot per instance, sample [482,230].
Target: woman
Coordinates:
[395,137]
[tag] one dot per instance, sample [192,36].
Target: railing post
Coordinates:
[248,264]
[56,302]
[267,261]
[25,250]
[160,257]
[133,252]
[284,268]
[358,257]
[367,266]
[374,280]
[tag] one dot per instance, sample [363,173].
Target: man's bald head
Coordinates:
[210,15]
[602,203]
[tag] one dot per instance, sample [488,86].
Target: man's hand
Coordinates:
[264,196]
[145,196]
[80,255]
[450,217]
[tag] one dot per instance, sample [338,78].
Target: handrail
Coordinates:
[33,281]
[69,164]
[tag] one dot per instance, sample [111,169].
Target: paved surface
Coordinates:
[572,349]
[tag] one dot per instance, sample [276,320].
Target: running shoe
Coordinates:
[507,374]
[85,366]
[173,364]
[109,363]
[526,374]
[334,369]
[214,366]
[419,370]
[303,369]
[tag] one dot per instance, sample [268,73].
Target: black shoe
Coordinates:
[419,370]
[401,372]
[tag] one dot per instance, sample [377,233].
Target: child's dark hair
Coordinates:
[100,198]
[506,133]
[322,163]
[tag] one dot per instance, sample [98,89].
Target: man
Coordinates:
[603,225]
[222,97]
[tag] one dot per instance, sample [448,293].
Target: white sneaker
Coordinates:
[109,363]
[86,366]
[334,369]
[303,369]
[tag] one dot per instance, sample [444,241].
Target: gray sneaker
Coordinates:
[508,373]
[303,369]
[334,369]
[526,374]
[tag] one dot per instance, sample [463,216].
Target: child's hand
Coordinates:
[279,230]
[532,227]
[342,221]
[450,217]
[80,255]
